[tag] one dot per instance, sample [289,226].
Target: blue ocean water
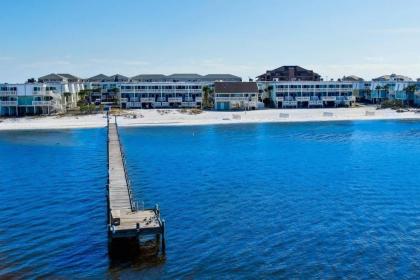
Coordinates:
[316,200]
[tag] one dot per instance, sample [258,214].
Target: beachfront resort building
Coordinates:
[52,93]
[155,90]
[310,94]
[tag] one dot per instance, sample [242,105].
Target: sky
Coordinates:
[240,37]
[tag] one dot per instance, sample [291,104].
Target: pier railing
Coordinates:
[133,203]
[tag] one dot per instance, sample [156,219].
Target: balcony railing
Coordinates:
[227,99]
[289,103]
[328,98]
[198,99]
[302,98]
[8,103]
[174,99]
[315,102]
[8,93]
[147,99]
[42,103]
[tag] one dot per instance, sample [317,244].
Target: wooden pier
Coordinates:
[125,219]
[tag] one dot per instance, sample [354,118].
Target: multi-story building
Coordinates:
[307,94]
[392,87]
[37,98]
[235,95]
[155,90]
[289,73]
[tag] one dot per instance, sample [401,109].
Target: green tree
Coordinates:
[207,101]
[409,91]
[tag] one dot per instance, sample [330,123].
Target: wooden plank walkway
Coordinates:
[125,220]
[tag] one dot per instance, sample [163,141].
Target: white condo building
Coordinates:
[50,95]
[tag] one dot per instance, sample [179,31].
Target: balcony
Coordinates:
[8,93]
[315,102]
[188,104]
[328,98]
[147,99]
[42,103]
[228,99]
[8,103]
[174,99]
[198,99]
[124,100]
[133,105]
[279,98]
[289,103]
[302,98]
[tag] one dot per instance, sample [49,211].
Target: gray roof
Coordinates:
[117,78]
[222,77]
[69,76]
[352,78]
[185,77]
[98,78]
[235,87]
[52,77]
[392,77]
[149,77]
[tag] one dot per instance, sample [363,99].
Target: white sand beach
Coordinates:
[173,117]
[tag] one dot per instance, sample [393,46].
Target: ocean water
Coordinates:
[268,201]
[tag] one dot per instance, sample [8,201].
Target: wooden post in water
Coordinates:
[163,238]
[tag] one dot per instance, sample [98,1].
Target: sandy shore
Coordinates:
[176,117]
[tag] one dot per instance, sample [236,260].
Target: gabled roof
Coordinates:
[221,77]
[117,78]
[235,87]
[52,77]
[98,78]
[69,76]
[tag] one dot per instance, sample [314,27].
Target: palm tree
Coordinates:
[378,89]
[409,91]
[206,103]
[66,97]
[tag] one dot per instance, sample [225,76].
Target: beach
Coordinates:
[175,117]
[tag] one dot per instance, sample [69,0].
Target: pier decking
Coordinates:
[126,220]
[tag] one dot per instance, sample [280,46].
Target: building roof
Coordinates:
[52,77]
[184,77]
[69,76]
[352,78]
[98,78]
[117,78]
[148,77]
[221,77]
[235,87]
[392,77]
[289,73]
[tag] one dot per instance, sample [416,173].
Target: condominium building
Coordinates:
[289,73]
[37,98]
[307,94]
[235,95]
[155,90]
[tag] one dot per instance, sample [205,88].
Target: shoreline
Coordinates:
[176,117]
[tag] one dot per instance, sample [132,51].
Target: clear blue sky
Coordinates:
[87,37]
